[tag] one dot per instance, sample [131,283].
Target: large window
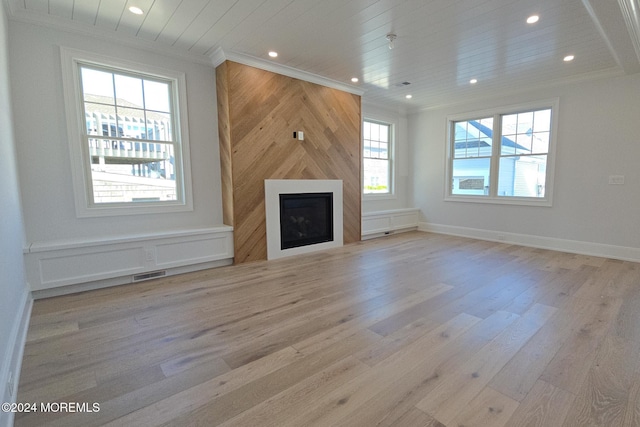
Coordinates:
[377,148]
[127,135]
[502,156]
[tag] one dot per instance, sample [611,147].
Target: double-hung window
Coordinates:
[503,156]
[128,140]
[377,157]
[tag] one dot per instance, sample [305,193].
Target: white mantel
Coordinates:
[272,190]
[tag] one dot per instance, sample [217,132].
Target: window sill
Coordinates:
[131,209]
[516,201]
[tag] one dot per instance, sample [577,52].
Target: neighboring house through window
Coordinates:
[128,136]
[503,156]
[377,157]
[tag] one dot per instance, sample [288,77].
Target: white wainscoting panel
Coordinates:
[57,264]
[375,224]
[179,252]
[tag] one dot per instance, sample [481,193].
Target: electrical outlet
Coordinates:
[10,385]
[616,179]
[149,255]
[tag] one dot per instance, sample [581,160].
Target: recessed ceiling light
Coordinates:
[473,81]
[409,96]
[568,58]
[273,54]
[135,10]
[533,19]
[355,79]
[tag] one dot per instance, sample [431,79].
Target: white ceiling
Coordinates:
[440,45]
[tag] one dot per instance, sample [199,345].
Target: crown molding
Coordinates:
[219,55]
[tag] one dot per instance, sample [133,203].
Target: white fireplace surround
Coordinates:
[272,190]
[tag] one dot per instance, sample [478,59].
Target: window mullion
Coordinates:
[496,142]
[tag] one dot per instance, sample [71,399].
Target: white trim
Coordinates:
[547,200]
[219,55]
[274,187]
[12,358]
[551,243]
[84,243]
[78,151]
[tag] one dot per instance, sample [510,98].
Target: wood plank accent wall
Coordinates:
[258,111]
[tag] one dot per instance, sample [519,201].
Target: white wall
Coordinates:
[598,136]
[42,148]
[401,163]
[15,299]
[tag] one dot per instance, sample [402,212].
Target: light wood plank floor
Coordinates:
[415,329]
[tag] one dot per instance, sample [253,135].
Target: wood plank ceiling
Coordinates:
[441,44]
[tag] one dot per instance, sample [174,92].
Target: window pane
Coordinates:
[472,130]
[473,147]
[523,142]
[542,121]
[508,145]
[376,176]
[472,138]
[522,176]
[470,176]
[101,119]
[525,122]
[384,133]
[509,124]
[460,131]
[159,127]
[375,132]
[132,122]
[366,130]
[97,84]
[156,96]
[540,143]
[124,172]
[129,91]
[375,149]
[384,150]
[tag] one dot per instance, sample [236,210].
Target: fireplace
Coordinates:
[302,216]
[305,219]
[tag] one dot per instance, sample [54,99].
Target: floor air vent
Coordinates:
[147,276]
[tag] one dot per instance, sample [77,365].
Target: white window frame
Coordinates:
[79,151]
[391,194]
[496,113]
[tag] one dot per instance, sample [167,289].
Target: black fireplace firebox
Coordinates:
[305,219]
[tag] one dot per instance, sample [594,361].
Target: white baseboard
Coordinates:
[572,246]
[123,280]
[12,357]
[60,264]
